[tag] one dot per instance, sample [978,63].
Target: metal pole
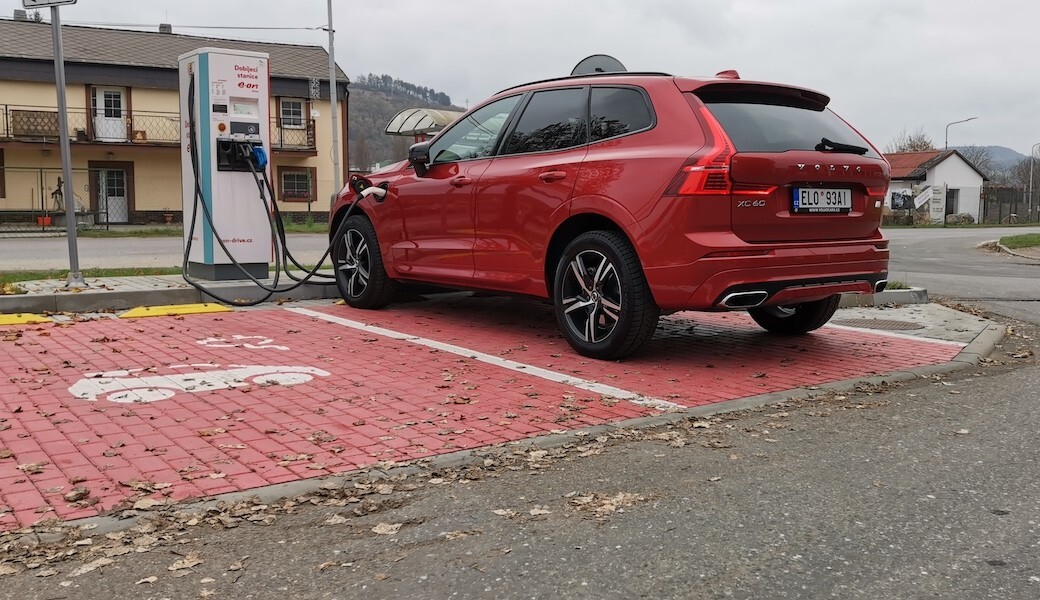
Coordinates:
[75,278]
[337,181]
[946,142]
[1032,159]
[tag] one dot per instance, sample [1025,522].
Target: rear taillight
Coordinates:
[877,191]
[706,173]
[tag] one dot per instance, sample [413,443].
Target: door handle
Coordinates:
[461,181]
[551,176]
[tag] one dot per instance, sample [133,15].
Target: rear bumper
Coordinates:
[780,275]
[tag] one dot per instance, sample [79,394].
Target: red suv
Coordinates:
[621,196]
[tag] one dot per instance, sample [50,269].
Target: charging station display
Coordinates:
[227,93]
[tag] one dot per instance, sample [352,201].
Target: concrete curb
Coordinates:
[971,355]
[1007,250]
[100,300]
[914,295]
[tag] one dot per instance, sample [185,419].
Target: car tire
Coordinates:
[796,319]
[601,299]
[360,276]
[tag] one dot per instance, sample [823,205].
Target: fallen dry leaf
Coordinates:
[458,535]
[190,560]
[239,564]
[151,579]
[505,512]
[7,570]
[36,467]
[387,528]
[91,566]
[336,520]
[539,510]
[47,573]
[146,503]
[77,494]
[211,432]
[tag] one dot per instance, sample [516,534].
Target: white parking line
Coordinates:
[895,334]
[577,382]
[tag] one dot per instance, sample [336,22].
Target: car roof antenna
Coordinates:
[598,63]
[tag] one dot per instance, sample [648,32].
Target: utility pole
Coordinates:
[1032,159]
[75,278]
[337,180]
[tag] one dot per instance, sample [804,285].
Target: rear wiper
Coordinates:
[826,145]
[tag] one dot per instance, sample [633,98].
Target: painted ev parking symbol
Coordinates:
[126,386]
[250,342]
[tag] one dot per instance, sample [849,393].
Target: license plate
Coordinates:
[820,200]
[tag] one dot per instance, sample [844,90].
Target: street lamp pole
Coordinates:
[946,142]
[1032,159]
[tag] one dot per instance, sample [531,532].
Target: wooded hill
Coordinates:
[374,100]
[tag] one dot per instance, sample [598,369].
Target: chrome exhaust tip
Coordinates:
[744,299]
[880,285]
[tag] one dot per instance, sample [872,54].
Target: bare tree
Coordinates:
[1018,175]
[980,157]
[362,155]
[400,147]
[918,141]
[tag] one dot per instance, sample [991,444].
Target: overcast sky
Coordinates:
[887,64]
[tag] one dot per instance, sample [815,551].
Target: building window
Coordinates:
[296,184]
[292,113]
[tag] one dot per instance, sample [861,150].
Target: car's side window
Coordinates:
[552,120]
[476,134]
[616,111]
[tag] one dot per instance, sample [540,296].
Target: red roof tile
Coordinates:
[905,163]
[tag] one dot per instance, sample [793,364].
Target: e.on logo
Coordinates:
[248,86]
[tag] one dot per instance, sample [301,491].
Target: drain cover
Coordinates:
[886,324]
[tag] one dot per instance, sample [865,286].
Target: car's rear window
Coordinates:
[770,125]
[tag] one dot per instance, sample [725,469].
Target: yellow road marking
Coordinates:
[170,310]
[23,319]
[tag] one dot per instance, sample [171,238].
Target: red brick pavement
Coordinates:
[382,398]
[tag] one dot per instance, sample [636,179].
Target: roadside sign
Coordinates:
[45,3]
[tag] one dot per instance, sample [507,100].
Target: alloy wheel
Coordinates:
[354,264]
[592,296]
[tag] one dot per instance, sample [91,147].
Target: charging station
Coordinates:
[227,93]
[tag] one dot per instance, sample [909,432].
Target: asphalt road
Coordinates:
[22,254]
[948,264]
[923,491]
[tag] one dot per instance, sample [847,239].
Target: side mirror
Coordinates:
[419,157]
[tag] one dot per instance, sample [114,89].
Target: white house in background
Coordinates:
[946,170]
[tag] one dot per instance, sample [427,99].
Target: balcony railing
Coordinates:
[40,123]
[284,137]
